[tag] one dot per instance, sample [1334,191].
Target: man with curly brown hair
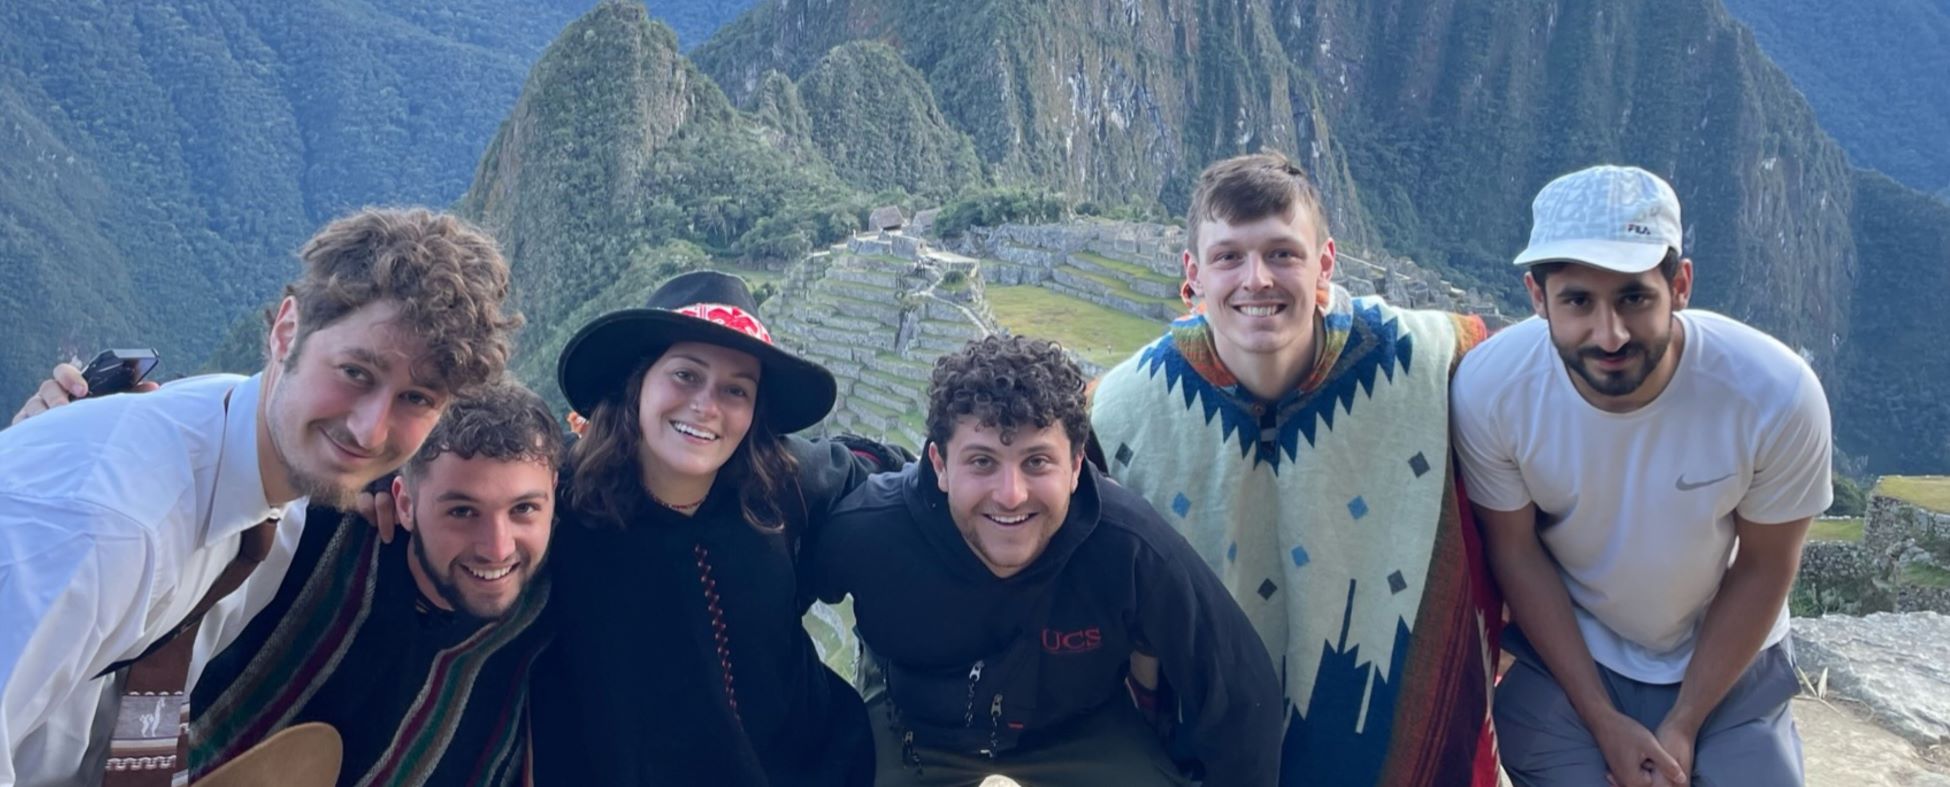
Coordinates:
[1002,584]
[124,519]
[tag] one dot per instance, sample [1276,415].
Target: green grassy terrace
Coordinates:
[1101,335]
[1836,529]
[1928,491]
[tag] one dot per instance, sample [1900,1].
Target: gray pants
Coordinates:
[1748,740]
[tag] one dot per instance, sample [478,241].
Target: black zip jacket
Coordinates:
[980,665]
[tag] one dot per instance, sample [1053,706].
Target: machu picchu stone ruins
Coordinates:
[880,307]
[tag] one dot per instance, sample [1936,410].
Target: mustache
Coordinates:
[343,436]
[1596,354]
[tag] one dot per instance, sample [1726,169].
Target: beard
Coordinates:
[449,592]
[317,487]
[1624,381]
[323,491]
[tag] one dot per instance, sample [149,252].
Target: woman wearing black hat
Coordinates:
[681,657]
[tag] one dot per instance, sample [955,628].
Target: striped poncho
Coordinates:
[420,696]
[1334,518]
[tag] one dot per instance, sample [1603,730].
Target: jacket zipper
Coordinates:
[968,713]
[995,726]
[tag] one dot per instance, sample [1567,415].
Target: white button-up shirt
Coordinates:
[116,516]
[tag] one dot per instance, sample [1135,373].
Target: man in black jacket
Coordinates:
[1002,585]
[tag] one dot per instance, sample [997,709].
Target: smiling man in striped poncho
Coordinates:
[1299,438]
[416,651]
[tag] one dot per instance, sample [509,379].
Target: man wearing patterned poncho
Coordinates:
[1299,438]
[417,651]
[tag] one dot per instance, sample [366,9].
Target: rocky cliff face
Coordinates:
[1890,393]
[1874,74]
[1430,124]
[1113,102]
[1460,111]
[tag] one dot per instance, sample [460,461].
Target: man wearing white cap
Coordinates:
[1645,475]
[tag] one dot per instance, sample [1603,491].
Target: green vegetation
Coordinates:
[1931,492]
[542,341]
[1888,399]
[1926,575]
[997,206]
[1850,498]
[875,119]
[1874,74]
[1120,288]
[832,632]
[160,162]
[755,277]
[777,104]
[1435,154]
[1103,336]
[1836,529]
[621,166]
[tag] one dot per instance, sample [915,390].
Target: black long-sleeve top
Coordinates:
[680,655]
[1053,641]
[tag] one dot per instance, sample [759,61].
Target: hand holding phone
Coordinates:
[66,383]
[116,371]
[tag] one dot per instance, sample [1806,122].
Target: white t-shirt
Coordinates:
[1638,508]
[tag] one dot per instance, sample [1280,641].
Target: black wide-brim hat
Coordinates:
[701,306]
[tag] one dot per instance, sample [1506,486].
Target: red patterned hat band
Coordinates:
[730,317]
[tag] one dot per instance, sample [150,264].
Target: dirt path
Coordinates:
[1844,749]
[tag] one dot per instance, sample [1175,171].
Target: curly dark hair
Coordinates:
[1008,382]
[502,421]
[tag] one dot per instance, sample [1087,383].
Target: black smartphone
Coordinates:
[115,371]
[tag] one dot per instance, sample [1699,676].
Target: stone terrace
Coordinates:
[877,310]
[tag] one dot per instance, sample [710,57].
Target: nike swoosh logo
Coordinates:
[1682,486]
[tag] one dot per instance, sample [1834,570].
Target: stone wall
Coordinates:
[875,312]
[1894,525]
[1837,577]
[1870,575]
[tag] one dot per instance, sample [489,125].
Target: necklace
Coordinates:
[682,508]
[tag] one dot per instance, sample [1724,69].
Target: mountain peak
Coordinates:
[607,97]
[875,119]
